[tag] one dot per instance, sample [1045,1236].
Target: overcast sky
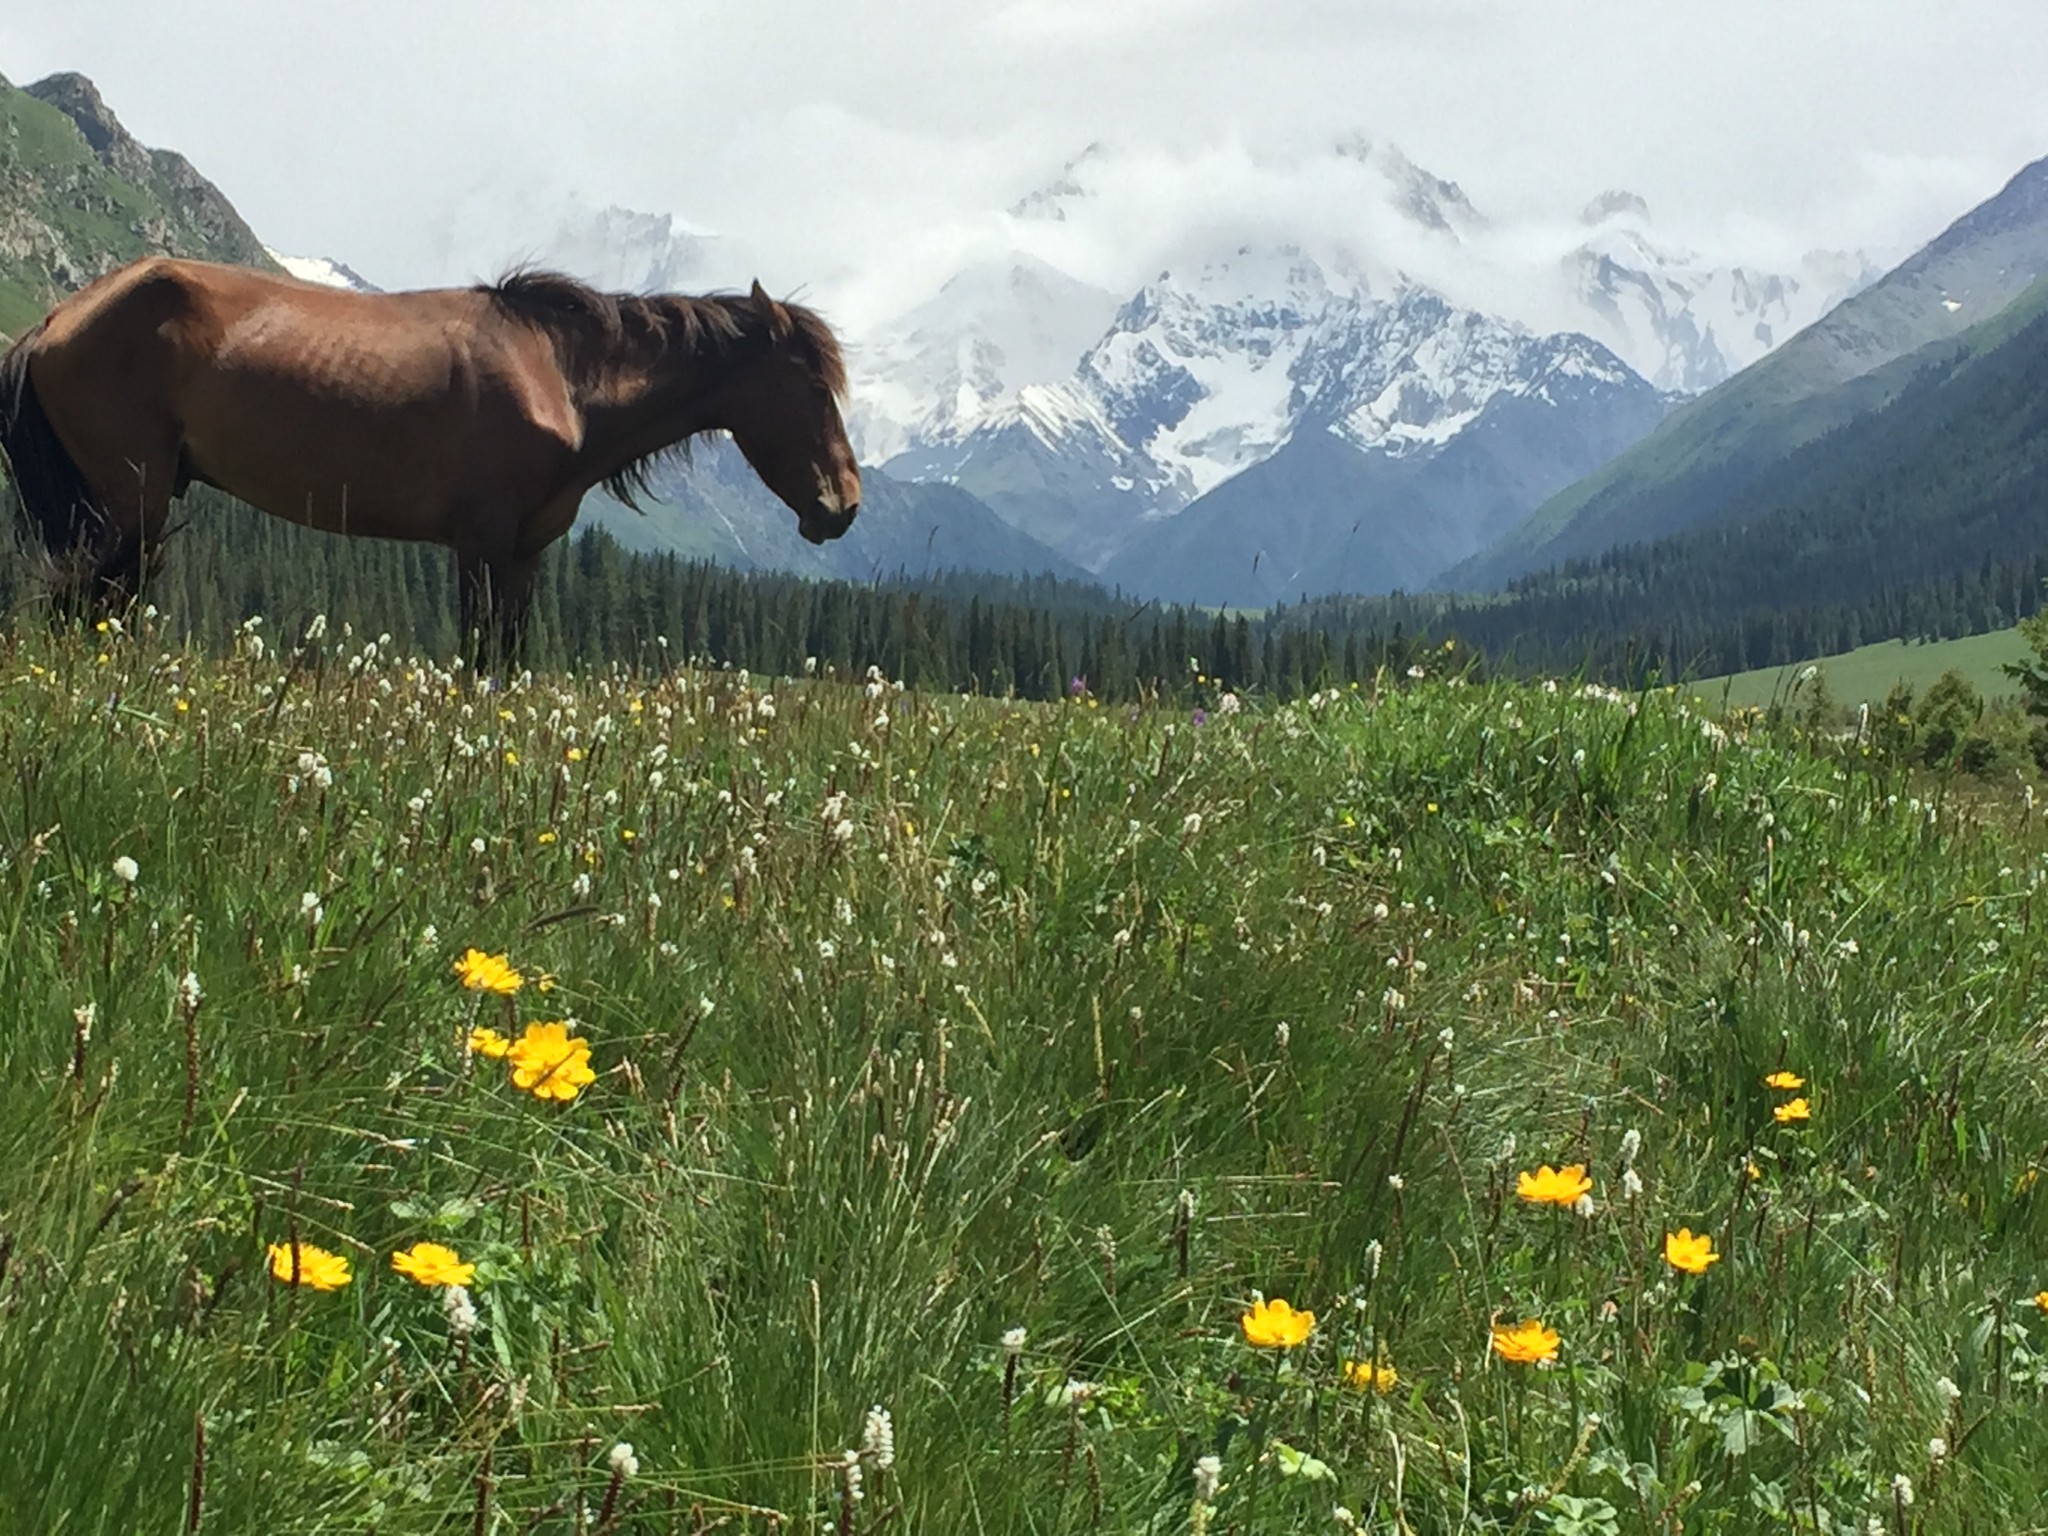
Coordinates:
[853,149]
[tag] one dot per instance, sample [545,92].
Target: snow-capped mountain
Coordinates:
[623,251]
[1393,322]
[942,369]
[323,270]
[1681,323]
[1201,376]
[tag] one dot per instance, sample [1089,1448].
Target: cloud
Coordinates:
[855,149]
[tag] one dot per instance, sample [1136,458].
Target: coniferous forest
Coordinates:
[599,604]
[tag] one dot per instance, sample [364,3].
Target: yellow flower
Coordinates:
[546,839]
[550,1063]
[1554,1186]
[313,1267]
[1526,1343]
[1369,1377]
[627,834]
[488,1042]
[2041,1300]
[1785,1080]
[511,758]
[432,1264]
[1692,1254]
[1794,1112]
[480,972]
[183,706]
[574,754]
[1275,1325]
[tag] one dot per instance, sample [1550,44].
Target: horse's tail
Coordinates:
[54,505]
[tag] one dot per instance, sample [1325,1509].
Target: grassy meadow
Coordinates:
[1868,673]
[998,1067]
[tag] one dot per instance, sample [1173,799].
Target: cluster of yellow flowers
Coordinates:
[307,1264]
[1792,1111]
[546,1061]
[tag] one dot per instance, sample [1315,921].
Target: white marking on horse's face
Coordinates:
[828,494]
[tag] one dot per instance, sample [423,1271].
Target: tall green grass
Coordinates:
[920,1021]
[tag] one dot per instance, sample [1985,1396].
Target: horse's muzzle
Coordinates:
[821,523]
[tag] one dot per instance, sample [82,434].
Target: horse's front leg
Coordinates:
[493,595]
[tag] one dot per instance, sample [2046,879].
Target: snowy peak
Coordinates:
[1427,199]
[623,251]
[1682,323]
[1615,206]
[322,270]
[1052,201]
[937,372]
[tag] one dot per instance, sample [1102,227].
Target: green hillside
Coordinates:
[1927,518]
[1708,459]
[79,197]
[1866,674]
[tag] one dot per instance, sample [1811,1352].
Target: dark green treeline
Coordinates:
[597,604]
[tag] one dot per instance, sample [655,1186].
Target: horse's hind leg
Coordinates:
[129,552]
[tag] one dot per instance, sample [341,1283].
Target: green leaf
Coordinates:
[1295,1463]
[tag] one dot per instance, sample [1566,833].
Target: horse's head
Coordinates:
[782,407]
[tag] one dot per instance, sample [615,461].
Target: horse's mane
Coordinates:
[596,334]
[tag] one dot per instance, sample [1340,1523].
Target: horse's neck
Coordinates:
[651,403]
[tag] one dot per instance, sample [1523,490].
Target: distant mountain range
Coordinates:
[1923,516]
[1717,454]
[1398,396]
[1181,452]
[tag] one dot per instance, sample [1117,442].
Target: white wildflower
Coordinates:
[1191,824]
[1208,1477]
[623,1462]
[189,991]
[455,1301]
[1631,1184]
[878,1438]
[1583,1206]
[1013,1341]
[1631,1145]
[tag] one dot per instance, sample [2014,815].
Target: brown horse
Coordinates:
[475,418]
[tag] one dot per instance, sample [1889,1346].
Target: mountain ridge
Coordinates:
[1713,450]
[80,196]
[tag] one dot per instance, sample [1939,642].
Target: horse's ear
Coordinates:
[772,314]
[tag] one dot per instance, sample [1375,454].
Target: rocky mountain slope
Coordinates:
[79,196]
